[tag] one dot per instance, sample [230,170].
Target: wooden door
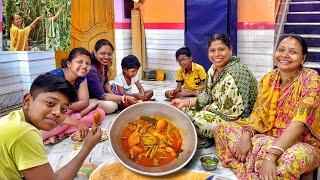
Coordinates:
[90,21]
[59,56]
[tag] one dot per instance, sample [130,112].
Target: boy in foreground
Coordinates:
[44,108]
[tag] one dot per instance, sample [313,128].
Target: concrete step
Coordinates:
[305,17]
[306,2]
[314,49]
[302,28]
[313,54]
[310,35]
[304,6]
[313,40]
[310,12]
[302,0]
[313,65]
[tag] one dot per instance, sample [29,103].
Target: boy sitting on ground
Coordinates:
[123,83]
[190,76]
[22,151]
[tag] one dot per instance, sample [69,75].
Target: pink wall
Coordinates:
[1,15]
[119,12]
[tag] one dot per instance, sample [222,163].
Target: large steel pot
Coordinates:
[187,130]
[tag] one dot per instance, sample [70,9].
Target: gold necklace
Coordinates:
[290,79]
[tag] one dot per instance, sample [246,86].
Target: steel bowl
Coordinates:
[209,166]
[187,131]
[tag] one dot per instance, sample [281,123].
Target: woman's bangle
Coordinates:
[268,159]
[189,105]
[278,148]
[124,99]
[274,153]
[248,130]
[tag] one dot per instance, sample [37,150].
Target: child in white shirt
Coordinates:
[124,81]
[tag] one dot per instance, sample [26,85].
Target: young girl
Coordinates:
[80,115]
[99,87]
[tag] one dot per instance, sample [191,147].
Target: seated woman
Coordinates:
[19,36]
[98,82]
[80,115]
[281,138]
[230,90]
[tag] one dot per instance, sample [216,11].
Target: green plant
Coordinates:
[29,10]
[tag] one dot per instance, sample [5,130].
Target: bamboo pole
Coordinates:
[138,37]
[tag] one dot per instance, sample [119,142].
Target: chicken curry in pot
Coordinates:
[152,141]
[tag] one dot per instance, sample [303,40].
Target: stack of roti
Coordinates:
[117,171]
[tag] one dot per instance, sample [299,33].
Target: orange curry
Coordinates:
[152,141]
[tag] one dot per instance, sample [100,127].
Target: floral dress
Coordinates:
[228,97]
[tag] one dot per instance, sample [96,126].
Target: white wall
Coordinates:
[123,46]
[10,80]
[18,70]
[162,45]
[255,49]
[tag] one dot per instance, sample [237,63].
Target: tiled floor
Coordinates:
[64,151]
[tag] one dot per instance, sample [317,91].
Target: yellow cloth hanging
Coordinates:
[19,38]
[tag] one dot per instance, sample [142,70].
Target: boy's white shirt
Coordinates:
[120,81]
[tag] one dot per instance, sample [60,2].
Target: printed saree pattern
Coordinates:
[276,107]
[228,97]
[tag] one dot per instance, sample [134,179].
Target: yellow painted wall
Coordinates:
[256,10]
[163,11]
